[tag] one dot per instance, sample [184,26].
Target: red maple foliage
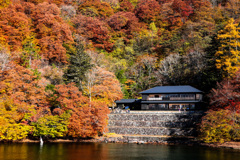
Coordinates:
[182,7]
[148,11]
[227,94]
[125,22]
[94,30]
[126,6]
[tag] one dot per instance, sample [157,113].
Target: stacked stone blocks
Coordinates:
[155,123]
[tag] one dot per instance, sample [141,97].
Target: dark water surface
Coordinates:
[102,151]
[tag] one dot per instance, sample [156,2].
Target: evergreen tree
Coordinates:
[79,65]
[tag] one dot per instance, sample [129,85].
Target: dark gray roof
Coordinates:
[128,100]
[172,89]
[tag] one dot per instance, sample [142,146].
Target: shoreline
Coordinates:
[116,139]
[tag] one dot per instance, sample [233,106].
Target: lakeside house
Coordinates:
[165,98]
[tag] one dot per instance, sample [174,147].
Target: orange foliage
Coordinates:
[94,30]
[95,8]
[14,26]
[37,1]
[19,20]
[126,6]
[171,19]
[69,97]
[88,121]
[87,118]
[197,4]
[105,86]
[21,85]
[51,31]
[57,2]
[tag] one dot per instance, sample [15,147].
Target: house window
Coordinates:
[199,97]
[187,95]
[155,97]
[144,97]
[174,95]
[157,107]
[144,107]
[192,106]
[151,96]
[174,106]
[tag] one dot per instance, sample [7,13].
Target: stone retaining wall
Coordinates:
[153,131]
[155,123]
[147,139]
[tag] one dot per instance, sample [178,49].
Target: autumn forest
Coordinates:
[64,62]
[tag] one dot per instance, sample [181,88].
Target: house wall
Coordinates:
[171,97]
[145,97]
[177,106]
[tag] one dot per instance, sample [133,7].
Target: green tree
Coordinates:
[51,126]
[79,65]
[30,50]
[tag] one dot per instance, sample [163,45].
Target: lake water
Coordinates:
[111,151]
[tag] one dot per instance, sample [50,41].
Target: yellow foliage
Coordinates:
[3,42]
[10,131]
[4,3]
[228,55]
[219,126]
[134,2]
[12,116]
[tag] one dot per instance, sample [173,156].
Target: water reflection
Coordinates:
[102,151]
[87,151]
